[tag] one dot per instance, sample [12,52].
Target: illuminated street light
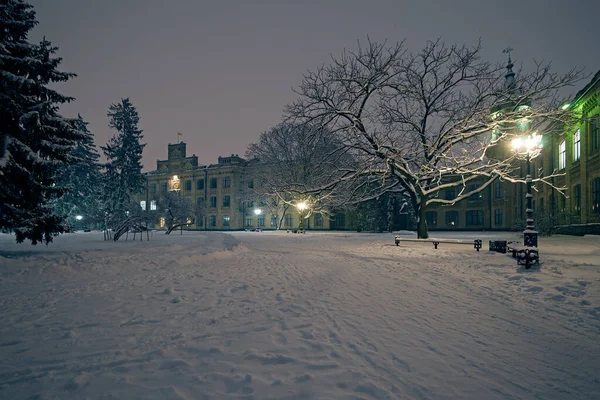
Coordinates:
[301,207]
[257,211]
[79,217]
[528,144]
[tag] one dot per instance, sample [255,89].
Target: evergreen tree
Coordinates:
[123,177]
[35,140]
[83,179]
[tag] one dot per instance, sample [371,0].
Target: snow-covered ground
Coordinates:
[271,315]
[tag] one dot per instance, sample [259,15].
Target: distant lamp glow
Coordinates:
[301,206]
[257,211]
[79,217]
[565,106]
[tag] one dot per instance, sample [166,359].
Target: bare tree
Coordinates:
[297,163]
[178,210]
[424,122]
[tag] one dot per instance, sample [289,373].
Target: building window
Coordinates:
[226,220]
[250,204]
[199,200]
[596,195]
[250,184]
[475,196]
[594,133]
[226,181]
[213,201]
[452,218]
[274,221]
[153,190]
[499,190]
[562,155]
[474,217]
[199,221]
[162,222]
[577,198]
[288,221]
[143,205]
[248,220]
[260,221]
[163,187]
[226,201]
[431,218]
[188,184]
[319,220]
[340,221]
[450,193]
[577,145]
[200,184]
[213,183]
[152,205]
[212,221]
[498,216]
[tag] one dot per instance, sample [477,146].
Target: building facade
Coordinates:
[219,189]
[572,152]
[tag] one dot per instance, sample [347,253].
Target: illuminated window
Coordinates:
[562,155]
[226,220]
[153,205]
[188,220]
[162,222]
[577,145]
[143,205]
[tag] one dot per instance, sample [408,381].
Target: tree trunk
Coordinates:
[420,210]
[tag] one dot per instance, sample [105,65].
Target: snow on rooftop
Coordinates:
[276,315]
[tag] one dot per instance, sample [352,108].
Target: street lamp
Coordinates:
[257,211]
[528,145]
[301,207]
[79,217]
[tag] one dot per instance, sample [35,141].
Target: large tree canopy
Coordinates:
[426,121]
[36,142]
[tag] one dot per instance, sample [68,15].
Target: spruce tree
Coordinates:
[123,177]
[35,140]
[83,179]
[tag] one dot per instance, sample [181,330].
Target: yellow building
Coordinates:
[219,187]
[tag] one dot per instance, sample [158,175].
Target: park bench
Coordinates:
[436,242]
[525,255]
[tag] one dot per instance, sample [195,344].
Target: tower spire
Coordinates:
[510,83]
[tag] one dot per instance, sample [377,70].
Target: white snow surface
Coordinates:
[275,315]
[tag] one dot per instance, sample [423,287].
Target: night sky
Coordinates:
[220,72]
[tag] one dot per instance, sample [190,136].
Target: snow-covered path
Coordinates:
[283,316]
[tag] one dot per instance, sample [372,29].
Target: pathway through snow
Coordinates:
[281,316]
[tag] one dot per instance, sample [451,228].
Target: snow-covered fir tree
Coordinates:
[123,177]
[83,178]
[35,140]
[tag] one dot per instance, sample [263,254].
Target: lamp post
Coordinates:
[257,212]
[528,145]
[301,207]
